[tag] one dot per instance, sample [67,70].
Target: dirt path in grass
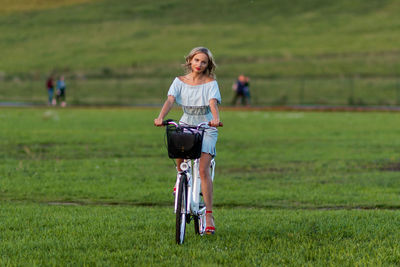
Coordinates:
[238,108]
[317,108]
[231,206]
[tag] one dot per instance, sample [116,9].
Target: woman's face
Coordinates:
[199,63]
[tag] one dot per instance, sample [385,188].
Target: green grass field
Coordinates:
[127,52]
[35,234]
[93,187]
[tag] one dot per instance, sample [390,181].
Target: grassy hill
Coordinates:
[266,38]
[310,39]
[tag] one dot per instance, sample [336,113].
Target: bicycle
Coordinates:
[188,197]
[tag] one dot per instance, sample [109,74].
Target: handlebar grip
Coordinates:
[166,122]
[219,125]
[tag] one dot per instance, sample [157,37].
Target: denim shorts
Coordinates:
[210,141]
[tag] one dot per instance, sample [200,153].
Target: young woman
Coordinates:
[198,94]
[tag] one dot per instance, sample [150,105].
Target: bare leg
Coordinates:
[178,164]
[207,186]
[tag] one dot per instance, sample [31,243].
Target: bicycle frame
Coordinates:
[192,174]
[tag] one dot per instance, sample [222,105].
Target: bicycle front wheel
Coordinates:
[181,211]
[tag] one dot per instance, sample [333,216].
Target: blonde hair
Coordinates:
[211,62]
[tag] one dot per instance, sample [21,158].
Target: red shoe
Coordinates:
[210,230]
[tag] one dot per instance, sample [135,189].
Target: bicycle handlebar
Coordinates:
[166,122]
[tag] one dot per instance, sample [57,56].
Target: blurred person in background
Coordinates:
[242,90]
[61,91]
[50,90]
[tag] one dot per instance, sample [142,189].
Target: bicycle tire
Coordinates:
[181,211]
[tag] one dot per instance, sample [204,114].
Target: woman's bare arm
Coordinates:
[215,112]
[169,103]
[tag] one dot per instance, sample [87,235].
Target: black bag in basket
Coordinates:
[184,142]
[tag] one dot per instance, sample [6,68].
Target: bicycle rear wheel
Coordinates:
[181,211]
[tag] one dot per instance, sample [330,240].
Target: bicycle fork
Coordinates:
[186,168]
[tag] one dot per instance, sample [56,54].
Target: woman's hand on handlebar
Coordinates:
[215,123]
[158,122]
